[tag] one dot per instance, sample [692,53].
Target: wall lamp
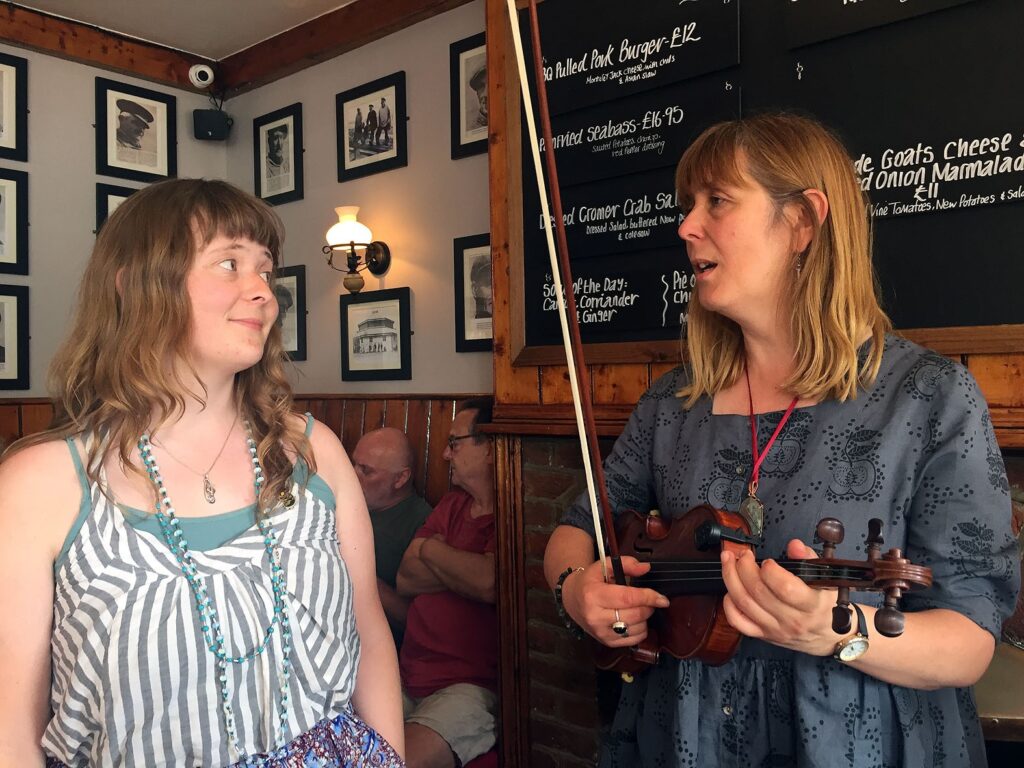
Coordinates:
[348,236]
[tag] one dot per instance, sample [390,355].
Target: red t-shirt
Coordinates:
[449,638]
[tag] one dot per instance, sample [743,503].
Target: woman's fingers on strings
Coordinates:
[747,590]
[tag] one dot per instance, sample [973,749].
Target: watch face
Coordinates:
[854,648]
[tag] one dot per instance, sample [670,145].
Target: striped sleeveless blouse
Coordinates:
[133,682]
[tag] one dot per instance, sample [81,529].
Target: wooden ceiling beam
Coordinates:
[96,47]
[324,38]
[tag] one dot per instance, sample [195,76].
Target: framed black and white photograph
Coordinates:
[371,127]
[13,222]
[13,108]
[468,64]
[290,290]
[136,132]
[108,197]
[277,155]
[375,336]
[474,304]
[14,337]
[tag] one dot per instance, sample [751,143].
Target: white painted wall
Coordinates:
[417,210]
[62,190]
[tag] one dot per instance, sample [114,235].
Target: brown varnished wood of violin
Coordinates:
[686,567]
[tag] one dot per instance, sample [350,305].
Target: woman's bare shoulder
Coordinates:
[40,476]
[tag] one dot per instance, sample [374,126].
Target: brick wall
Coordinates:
[565,692]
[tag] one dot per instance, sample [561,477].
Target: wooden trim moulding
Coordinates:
[93,46]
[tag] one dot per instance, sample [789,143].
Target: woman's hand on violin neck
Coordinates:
[770,603]
[592,603]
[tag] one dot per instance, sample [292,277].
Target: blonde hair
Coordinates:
[111,379]
[834,302]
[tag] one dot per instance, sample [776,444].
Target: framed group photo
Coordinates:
[376,336]
[13,108]
[14,337]
[13,222]
[277,155]
[474,303]
[290,290]
[136,132]
[468,65]
[371,123]
[108,197]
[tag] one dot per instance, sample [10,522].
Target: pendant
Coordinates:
[288,499]
[752,509]
[209,491]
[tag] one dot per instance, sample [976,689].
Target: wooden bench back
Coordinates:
[424,418]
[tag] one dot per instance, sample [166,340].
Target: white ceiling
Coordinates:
[212,29]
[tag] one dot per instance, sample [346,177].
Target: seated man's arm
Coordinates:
[465,573]
[414,577]
[396,607]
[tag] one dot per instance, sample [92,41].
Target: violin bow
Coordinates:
[578,375]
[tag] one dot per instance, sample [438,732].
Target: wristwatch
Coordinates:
[852,648]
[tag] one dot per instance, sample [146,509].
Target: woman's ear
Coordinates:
[803,227]
[119,283]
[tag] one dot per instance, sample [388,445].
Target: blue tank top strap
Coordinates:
[309,423]
[84,506]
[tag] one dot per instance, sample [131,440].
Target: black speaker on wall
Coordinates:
[211,124]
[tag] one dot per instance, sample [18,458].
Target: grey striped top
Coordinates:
[133,682]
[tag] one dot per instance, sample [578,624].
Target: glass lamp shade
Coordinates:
[348,230]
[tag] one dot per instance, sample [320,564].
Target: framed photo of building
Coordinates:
[375,336]
[371,123]
[13,108]
[108,197]
[14,337]
[468,64]
[290,290]
[13,222]
[473,298]
[277,155]
[136,132]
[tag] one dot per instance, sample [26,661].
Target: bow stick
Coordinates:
[581,395]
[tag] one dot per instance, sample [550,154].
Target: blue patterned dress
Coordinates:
[917,450]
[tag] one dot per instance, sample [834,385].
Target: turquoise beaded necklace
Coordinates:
[209,620]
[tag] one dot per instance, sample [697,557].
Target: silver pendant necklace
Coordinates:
[209,489]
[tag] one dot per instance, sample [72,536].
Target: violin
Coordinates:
[685,567]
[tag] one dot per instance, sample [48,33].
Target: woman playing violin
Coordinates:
[798,404]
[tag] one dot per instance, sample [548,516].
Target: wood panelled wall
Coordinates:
[424,418]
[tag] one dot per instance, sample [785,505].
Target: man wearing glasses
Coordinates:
[449,659]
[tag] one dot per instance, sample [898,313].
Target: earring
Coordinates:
[799,263]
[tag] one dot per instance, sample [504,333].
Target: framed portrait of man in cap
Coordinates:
[277,155]
[468,65]
[135,132]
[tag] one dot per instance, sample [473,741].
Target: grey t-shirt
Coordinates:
[917,450]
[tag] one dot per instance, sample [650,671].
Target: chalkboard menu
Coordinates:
[925,93]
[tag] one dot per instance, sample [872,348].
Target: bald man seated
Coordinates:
[384,464]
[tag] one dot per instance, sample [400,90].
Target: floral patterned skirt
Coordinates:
[341,742]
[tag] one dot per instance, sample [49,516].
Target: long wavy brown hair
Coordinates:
[115,377]
[833,302]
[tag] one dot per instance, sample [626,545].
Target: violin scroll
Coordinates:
[889,573]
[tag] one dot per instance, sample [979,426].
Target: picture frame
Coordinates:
[136,132]
[468,69]
[376,336]
[13,108]
[108,197]
[14,337]
[290,290]
[277,155]
[474,305]
[13,222]
[359,153]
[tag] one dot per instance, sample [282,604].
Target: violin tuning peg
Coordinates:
[831,532]
[841,621]
[889,622]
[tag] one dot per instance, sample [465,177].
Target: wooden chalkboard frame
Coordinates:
[953,340]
